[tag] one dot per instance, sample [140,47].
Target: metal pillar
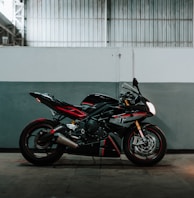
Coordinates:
[19,20]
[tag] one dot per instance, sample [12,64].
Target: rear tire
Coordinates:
[145,154]
[39,154]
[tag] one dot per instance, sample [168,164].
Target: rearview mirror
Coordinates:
[135,82]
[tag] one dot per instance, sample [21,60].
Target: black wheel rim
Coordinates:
[38,149]
[146,151]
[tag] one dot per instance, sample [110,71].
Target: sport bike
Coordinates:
[100,126]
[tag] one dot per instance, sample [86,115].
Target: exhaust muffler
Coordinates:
[61,139]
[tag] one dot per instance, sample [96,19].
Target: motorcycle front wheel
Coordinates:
[32,146]
[145,153]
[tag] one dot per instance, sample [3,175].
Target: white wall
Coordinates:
[65,64]
[96,64]
[164,65]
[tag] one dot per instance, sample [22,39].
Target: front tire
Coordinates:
[44,153]
[145,153]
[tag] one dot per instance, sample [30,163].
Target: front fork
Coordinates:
[137,124]
[140,130]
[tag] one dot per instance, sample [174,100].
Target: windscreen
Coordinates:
[127,87]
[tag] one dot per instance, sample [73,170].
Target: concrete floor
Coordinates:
[87,177]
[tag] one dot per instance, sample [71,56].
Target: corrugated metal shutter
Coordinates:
[155,23]
[65,23]
[125,23]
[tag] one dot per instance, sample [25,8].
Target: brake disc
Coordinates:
[40,144]
[144,148]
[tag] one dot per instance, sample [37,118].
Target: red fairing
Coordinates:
[40,119]
[72,111]
[87,103]
[141,114]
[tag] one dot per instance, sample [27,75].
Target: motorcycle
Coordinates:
[100,126]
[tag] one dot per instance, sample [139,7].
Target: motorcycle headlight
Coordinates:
[151,108]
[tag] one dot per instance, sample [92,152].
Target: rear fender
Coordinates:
[43,120]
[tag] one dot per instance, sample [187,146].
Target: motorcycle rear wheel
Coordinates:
[145,154]
[44,153]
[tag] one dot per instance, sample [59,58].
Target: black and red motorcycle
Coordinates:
[100,126]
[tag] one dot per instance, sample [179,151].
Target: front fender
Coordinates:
[134,128]
[142,124]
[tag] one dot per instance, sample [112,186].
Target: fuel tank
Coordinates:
[94,100]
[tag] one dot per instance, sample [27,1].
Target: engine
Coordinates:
[87,131]
[92,126]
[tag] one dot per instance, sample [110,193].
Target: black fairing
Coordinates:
[93,99]
[48,100]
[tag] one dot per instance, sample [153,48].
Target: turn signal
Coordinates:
[38,100]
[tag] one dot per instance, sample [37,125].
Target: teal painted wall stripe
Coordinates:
[173,101]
